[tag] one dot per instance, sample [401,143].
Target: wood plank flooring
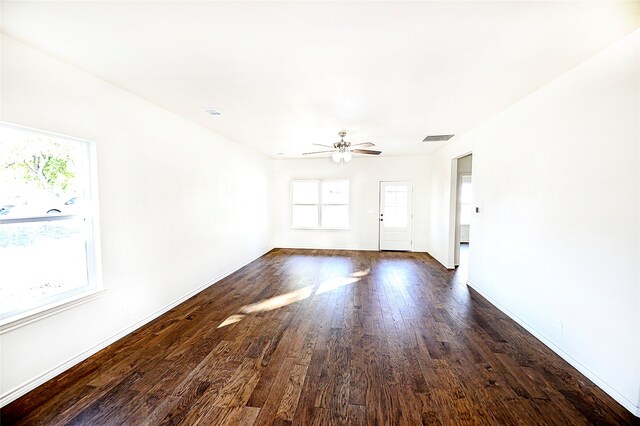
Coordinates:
[320,338]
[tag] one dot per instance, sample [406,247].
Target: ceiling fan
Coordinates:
[343,151]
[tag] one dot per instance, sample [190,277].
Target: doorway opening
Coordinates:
[464,212]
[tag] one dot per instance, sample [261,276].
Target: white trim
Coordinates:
[421,250]
[30,385]
[328,248]
[621,399]
[452,245]
[440,261]
[45,311]
[43,132]
[453,209]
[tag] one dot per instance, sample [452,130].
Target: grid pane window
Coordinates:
[320,204]
[335,216]
[46,226]
[305,192]
[305,216]
[335,192]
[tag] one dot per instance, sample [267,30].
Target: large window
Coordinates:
[48,224]
[320,204]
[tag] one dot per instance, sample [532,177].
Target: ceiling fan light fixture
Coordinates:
[342,152]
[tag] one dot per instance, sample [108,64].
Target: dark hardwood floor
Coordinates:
[325,337]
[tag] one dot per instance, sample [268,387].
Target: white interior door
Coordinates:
[396,215]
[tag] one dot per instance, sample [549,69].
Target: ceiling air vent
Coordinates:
[437,138]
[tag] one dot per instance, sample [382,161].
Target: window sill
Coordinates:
[41,312]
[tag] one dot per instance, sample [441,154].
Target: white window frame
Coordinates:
[94,288]
[320,204]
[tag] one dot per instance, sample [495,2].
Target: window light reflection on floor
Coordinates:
[293,296]
[278,301]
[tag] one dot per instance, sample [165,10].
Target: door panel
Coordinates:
[396,215]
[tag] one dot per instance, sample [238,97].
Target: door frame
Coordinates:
[456,259]
[452,250]
[411,183]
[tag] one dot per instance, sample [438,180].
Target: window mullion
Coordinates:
[40,219]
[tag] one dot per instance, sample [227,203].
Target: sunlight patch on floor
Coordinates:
[231,320]
[293,296]
[335,283]
[278,301]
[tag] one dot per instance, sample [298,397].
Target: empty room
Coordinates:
[320,212]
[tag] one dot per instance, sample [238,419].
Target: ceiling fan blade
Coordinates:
[317,152]
[366,151]
[327,146]
[364,144]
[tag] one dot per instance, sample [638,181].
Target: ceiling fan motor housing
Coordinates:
[342,145]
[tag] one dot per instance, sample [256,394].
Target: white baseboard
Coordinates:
[621,399]
[420,250]
[415,250]
[328,248]
[28,386]
[441,262]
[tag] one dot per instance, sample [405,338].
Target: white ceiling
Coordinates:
[285,75]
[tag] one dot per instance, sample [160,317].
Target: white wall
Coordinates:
[179,206]
[556,243]
[364,175]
